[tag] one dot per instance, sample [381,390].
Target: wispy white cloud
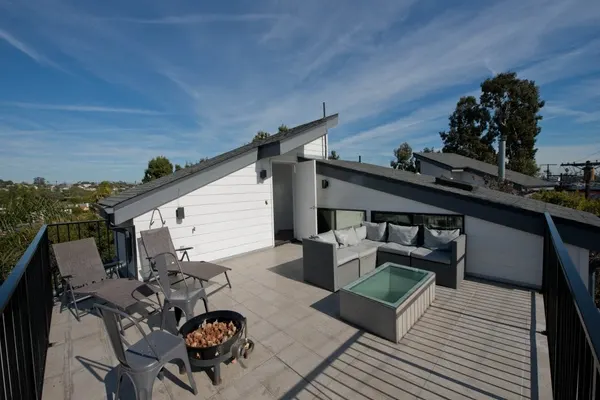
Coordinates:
[80,108]
[26,49]
[198,18]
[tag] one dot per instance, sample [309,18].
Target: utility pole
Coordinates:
[548,170]
[588,173]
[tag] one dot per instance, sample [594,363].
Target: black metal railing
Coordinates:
[26,307]
[572,323]
[26,300]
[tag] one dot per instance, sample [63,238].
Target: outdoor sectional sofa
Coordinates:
[333,259]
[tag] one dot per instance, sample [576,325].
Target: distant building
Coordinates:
[455,166]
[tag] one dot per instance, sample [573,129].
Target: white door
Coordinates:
[305,202]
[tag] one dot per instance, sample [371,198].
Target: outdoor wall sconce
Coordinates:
[324,183]
[263,173]
[180,213]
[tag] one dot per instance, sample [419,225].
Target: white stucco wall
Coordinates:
[470,177]
[230,216]
[494,251]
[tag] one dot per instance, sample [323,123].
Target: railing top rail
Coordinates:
[584,304]
[12,281]
[77,222]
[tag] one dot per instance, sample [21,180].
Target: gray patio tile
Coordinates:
[277,377]
[260,307]
[239,294]
[262,330]
[86,385]
[59,332]
[57,359]
[54,388]
[251,317]
[308,335]
[277,341]
[283,318]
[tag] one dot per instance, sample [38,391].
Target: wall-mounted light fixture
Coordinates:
[324,183]
[263,173]
[180,213]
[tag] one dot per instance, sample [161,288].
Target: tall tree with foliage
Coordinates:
[103,190]
[157,167]
[333,155]
[260,135]
[468,131]
[509,107]
[403,158]
[430,150]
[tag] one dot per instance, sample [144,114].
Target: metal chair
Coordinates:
[184,298]
[143,361]
[83,274]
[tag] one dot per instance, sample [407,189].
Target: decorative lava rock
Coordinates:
[211,334]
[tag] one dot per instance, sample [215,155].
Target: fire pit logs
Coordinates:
[210,334]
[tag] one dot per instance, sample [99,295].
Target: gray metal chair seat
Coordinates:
[140,356]
[183,294]
[143,361]
[83,274]
[200,269]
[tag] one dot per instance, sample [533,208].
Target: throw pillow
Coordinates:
[328,237]
[405,235]
[439,239]
[346,237]
[361,232]
[375,231]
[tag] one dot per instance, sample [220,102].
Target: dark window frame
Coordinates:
[415,217]
[334,223]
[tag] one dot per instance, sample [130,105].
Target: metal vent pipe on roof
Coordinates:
[502,159]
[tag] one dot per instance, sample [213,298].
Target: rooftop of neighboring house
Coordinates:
[457,162]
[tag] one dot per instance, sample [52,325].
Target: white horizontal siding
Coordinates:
[230,216]
[315,149]
[494,251]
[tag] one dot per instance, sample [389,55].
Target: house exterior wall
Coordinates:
[283,196]
[470,177]
[430,169]
[230,216]
[494,251]
[316,148]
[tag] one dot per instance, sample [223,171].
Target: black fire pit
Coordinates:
[235,347]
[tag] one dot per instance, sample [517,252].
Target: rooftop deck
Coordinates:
[480,341]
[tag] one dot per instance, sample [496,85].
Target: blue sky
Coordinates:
[92,90]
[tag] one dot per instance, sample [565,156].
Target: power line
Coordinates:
[588,156]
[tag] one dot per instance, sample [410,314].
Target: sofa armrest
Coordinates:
[319,261]
[459,248]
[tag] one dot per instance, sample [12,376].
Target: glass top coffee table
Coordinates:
[389,300]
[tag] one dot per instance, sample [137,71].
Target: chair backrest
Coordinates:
[111,322]
[80,261]
[157,241]
[160,263]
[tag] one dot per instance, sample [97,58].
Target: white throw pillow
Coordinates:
[375,231]
[346,237]
[405,235]
[439,239]
[361,232]
[328,237]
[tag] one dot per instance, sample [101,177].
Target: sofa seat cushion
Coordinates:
[396,248]
[345,255]
[365,248]
[437,256]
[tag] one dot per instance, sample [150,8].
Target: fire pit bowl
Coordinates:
[208,353]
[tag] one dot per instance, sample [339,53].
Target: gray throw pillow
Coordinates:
[375,231]
[361,232]
[439,239]
[328,237]
[405,235]
[346,237]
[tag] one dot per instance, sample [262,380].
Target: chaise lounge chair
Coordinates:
[158,241]
[83,275]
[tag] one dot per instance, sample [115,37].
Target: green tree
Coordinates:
[333,155]
[430,150]
[508,107]
[404,159]
[190,164]
[39,181]
[468,131]
[282,128]
[157,167]
[103,190]
[260,135]
[177,167]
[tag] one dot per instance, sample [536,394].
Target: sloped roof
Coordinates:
[478,193]
[137,191]
[452,161]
